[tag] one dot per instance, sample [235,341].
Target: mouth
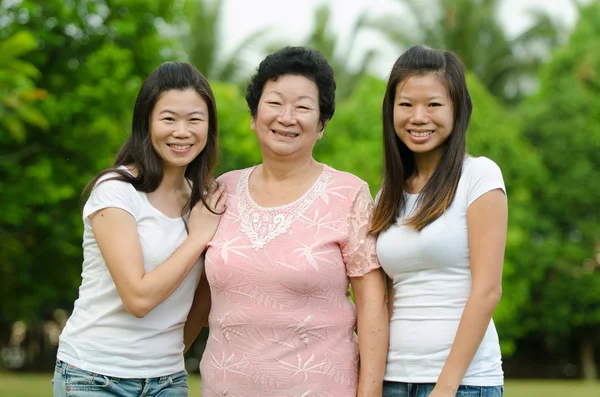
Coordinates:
[420,134]
[285,134]
[179,147]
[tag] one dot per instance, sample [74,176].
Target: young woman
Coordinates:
[293,239]
[146,223]
[441,220]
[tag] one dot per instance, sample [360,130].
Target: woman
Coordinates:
[146,223]
[441,220]
[293,238]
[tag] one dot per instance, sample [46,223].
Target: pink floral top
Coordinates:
[282,322]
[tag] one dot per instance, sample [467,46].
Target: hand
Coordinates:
[202,223]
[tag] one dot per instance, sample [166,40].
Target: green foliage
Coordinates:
[70,71]
[472,29]
[93,56]
[204,38]
[563,123]
[17,83]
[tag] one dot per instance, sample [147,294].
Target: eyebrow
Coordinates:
[429,99]
[189,114]
[300,97]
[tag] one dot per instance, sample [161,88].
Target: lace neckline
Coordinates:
[263,224]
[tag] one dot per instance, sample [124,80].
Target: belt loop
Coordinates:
[63,366]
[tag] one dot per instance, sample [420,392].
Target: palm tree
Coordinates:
[204,41]
[323,39]
[471,29]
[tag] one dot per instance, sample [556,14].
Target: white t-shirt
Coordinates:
[432,282]
[101,336]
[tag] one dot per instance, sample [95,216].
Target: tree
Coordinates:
[18,89]
[471,29]
[563,122]
[323,38]
[203,41]
[91,66]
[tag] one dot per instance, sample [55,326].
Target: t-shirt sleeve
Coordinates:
[110,194]
[485,175]
[359,252]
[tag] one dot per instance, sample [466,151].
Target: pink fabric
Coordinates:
[282,321]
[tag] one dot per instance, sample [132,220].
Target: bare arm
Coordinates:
[116,233]
[373,331]
[487,225]
[198,316]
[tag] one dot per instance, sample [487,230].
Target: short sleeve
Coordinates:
[359,252]
[111,194]
[484,176]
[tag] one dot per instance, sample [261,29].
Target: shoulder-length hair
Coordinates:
[399,165]
[138,151]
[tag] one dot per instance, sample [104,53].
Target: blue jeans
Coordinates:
[399,389]
[70,381]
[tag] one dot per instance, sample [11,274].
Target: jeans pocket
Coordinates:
[470,391]
[78,380]
[179,379]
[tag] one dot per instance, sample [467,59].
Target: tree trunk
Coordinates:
[588,363]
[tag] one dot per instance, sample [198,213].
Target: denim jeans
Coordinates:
[399,389]
[70,381]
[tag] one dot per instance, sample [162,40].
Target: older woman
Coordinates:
[293,239]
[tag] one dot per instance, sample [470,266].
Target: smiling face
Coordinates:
[423,113]
[287,118]
[179,127]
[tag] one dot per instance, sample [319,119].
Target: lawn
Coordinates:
[40,386]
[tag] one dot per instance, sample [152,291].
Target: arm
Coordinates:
[116,233]
[487,225]
[198,315]
[373,330]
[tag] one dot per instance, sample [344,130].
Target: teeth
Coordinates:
[420,133]
[285,134]
[180,147]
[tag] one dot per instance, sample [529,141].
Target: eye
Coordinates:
[168,119]
[435,104]
[274,103]
[303,108]
[196,119]
[405,104]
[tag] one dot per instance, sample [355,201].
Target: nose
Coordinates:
[286,116]
[419,115]
[181,129]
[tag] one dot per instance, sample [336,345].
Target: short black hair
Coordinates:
[300,61]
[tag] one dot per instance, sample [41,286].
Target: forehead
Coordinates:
[181,100]
[425,85]
[294,86]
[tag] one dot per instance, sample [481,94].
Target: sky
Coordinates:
[291,21]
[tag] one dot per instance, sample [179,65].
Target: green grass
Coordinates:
[30,385]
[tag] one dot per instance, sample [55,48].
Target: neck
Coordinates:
[173,179]
[278,170]
[426,163]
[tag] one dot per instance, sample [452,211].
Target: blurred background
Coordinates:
[70,71]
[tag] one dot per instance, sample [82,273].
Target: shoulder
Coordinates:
[231,178]
[111,181]
[345,178]
[480,166]
[480,175]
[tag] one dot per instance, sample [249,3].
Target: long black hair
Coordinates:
[399,165]
[138,151]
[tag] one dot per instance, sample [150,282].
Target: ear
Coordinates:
[253,124]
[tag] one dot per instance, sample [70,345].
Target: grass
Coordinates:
[36,385]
